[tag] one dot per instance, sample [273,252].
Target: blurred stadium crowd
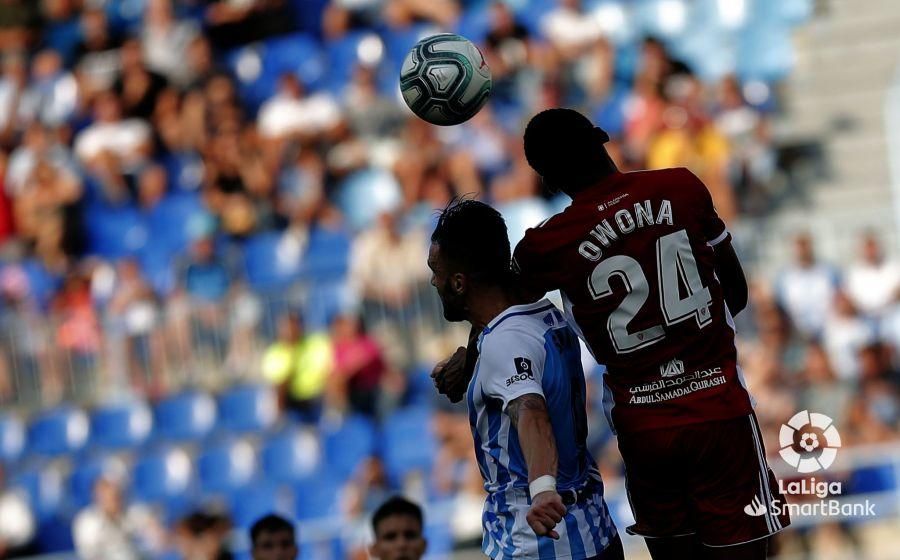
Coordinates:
[214,218]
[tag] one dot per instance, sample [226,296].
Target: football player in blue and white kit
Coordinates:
[526,401]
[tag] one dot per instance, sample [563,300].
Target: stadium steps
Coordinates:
[846,58]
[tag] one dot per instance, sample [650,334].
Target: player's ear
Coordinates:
[458,284]
[373,550]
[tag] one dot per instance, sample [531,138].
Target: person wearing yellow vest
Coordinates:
[299,364]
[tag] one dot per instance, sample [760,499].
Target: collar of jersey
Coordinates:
[513,310]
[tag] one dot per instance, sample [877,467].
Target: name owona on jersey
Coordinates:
[626,221]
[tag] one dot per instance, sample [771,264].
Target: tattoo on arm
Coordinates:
[531,401]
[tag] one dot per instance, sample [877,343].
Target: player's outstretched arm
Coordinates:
[731,276]
[528,414]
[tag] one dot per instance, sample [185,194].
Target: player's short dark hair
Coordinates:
[270,524]
[397,505]
[565,148]
[473,235]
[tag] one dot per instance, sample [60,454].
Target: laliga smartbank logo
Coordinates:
[809,442]
[816,437]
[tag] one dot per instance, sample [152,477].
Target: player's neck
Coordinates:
[486,305]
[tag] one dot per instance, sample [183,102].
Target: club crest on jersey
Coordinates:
[524,371]
[671,369]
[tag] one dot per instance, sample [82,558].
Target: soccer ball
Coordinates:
[444,79]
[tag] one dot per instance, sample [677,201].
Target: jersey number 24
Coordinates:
[675,267]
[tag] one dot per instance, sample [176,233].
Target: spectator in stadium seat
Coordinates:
[689,139]
[132,316]
[366,489]
[97,54]
[166,40]
[339,16]
[293,111]
[136,86]
[52,93]
[844,334]
[129,139]
[108,529]
[203,536]
[570,29]
[398,525]
[806,289]
[39,143]
[18,528]
[13,82]
[359,366]
[299,364]
[273,538]
[45,214]
[873,283]
[386,263]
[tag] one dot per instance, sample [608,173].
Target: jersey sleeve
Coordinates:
[533,277]
[512,365]
[712,226]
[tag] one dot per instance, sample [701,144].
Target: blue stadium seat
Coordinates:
[168,222]
[270,263]
[419,387]
[58,432]
[114,233]
[121,425]
[342,58]
[346,445]
[474,23]
[156,264]
[12,438]
[161,475]
[407,442]
[44,488]
[365,194]
[185,416]
[308,15]
[250,502]
[398,42]
[327,254]
[316,496]
[247,408]
[42,283]
[225,466]
[290,455]
[297,54]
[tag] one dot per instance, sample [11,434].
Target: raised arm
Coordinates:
[529,416]
[731,277]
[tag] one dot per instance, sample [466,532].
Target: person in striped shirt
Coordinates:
[526,401]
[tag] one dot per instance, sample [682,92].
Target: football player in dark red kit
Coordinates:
[648,274]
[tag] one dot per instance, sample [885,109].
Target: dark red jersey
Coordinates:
[633,257]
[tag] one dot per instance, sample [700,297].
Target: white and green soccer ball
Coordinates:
[444,79]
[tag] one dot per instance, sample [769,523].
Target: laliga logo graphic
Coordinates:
[816,435]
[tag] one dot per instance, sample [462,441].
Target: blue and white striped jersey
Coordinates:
[531,349]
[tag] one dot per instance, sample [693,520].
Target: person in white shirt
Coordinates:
[293,111]
[844,335]
[806,289]
[108,530]
[873,283]
[128,139]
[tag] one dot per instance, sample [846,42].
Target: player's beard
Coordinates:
[453,304]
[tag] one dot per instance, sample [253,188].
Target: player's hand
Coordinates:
[450,376]
[547,510]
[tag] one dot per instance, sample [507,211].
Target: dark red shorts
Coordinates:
[709,479]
